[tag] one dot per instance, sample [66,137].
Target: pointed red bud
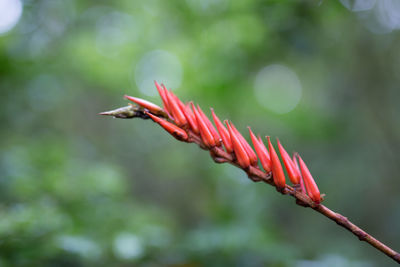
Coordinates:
[263,147]
[296,165]
[153,108]
[206,136]
[163,96]
[294,176]
[177,113]
[177,100]
[261,151]
[277,171]
[240,152]
[181,106]
[190,118]
[174,130]
[210,126]
[250,152]
[223,132]
[312,188]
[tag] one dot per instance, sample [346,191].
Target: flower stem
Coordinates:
[255,174]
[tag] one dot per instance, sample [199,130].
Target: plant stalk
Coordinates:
[257,175]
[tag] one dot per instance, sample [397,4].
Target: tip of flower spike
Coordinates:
[174,130]
[127,112]
[153,108]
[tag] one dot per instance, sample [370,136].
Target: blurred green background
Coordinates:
[78,189]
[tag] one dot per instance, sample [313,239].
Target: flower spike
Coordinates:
[206,136]
[223,132]
[175,110]
[277,171]
[153,108]
[174,130]
[182,126]
[210,126]
[261,151]
[294,176]
[312,188]
[241,154]
[250,152]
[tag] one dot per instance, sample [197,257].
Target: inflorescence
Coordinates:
[188,123]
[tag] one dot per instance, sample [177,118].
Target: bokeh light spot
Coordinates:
[80,245]
[10,13]
[277,88]
[161,66]
[128,246]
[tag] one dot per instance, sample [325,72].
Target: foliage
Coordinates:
[78,190]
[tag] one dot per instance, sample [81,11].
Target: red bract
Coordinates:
[250,152]
[153,108]
[261,151]
[210,126]
[296,165]
[264,148]
[174,130]
[240,152]
[179,102]
[190,118]
[223,132]
[163,96]
[294,176]
[206,136]
[312,188]
[177,113]
[277,171]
